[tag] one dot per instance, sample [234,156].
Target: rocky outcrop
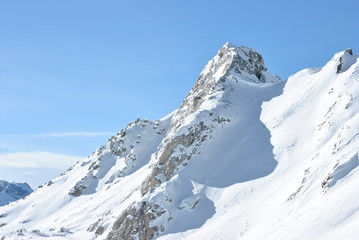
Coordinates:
[341,60]
[97,228]
[175,154]
[135,222]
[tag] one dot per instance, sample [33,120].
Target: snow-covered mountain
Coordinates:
[10,192]
[245,156]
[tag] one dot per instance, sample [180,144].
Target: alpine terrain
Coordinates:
[10,192]
[245,156]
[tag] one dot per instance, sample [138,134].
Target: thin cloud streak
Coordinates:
[38,160]
[59,134]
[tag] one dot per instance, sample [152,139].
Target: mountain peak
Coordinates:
[230,67]
[10,192]
[244,52]
[342,61]
[345,60]
[239,49]
[349,50]
[242,62]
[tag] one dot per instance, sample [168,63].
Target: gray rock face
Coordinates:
[168,162]
[242,59]
[97,228]
[135,222]
[341,63]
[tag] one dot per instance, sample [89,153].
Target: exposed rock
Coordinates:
[168,162]
[97,228]
[350,51]
[341,62]
[135,222]
[340,65]
[294,195]
[77,190]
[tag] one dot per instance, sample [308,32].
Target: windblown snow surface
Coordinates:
[245,156]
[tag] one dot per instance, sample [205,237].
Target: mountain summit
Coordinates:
[245,156]
[242,63]
[10,192]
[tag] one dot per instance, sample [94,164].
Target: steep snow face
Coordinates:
[315,128]
[241,158]
[10,192]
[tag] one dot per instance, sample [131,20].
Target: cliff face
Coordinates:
[244,156]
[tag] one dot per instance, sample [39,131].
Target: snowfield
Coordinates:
[245,156]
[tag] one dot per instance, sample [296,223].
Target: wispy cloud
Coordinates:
[59,134]
[38,160]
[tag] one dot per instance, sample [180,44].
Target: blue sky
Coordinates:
[73,73]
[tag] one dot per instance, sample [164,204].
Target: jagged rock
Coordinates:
[77,190]
[350,51]
[343,62]
[135,222]
[167,163]
[97,228]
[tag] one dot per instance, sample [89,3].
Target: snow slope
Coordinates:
[10,192]
[245,156]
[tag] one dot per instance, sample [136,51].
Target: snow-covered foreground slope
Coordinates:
[241,158]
